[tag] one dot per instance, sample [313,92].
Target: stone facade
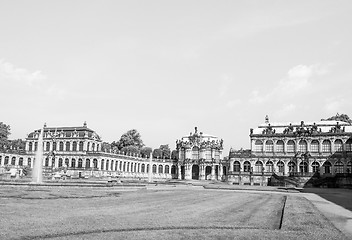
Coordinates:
[77,152]
[200,157]
[293,149]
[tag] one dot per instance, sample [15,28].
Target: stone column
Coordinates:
[213,172]
[179,173]
[202,172]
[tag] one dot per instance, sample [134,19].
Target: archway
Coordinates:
[195,172]
[216,172]
[182,172]
[207,173]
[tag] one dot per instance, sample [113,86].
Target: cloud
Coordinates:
[9,72]
[224,85]
[299,79]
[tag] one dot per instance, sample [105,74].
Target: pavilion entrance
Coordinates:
[195,172]
[182,172]
[207,173]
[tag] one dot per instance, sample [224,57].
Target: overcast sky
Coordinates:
[164,67]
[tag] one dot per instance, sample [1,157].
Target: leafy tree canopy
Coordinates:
[146,151]
[4,134]
[341,117]
[130,149]
[174,155]
[130,138]
[157,153]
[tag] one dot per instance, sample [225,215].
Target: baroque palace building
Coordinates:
[293,149]
[77,151]
[200,157]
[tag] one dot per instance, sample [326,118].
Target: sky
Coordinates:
[165,67]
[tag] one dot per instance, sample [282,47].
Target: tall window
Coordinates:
[160,168]
[60,162]
[246,166]
[29,161]
[20,161]
[338,167]
[46,162]
[67,162]
[47,146]
[280,146]
[315,167]
[291,146]
[54,146]
[195,153]
[6,161]
[236,166]
[61,146]
[269,146]
[314,146]
[258,146]
[81,146]
[258,166]
[74,146]
[269,166]
[326,146]
[87,163]
[349,167]
[281,167]
[154,168]
[95,163]
[112,165]
[107,165]
[13,161]
[30,146]
[67,146]
[291,167]
[167,169]
[303,167]
[327,167]
[303,146]
[143,168]
[349,145]
[338,146]
[73,163]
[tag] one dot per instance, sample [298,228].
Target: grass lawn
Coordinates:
[182,212]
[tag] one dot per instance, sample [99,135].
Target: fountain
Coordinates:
[37,177]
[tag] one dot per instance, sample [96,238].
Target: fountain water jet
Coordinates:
[37,176]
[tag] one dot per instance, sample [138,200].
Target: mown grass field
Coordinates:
[182,212]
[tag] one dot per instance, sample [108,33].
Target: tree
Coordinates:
[174,155]
[130,149]
[106,147]
[146,151]
[157,153]
[341,117]
[4,134]
[165,151]
[130,138]
[16,145]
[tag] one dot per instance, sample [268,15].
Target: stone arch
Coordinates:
[236,166]
[327,166]
[269,166]
[291,146]
[314,146]
[281,166]
[338,145]
[247,166]
[258,166]
[80,163]
[208,172]
[303,146]
[87,163]
[280,146]
[326,146]
[258,146]
[95,163]
[195,172]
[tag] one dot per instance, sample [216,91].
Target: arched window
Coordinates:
[61,146]
[338,167]
[147,168]
[258,146]
[303,167]
[173,169]
[160,169]
[269,166]
[107,165]
[128,167]
[291,146]
[135,167]
[6,161]
[67,162]
[35,146]
[87,163]
[102,164]
[281,166]
[93,147]
[315,167]
[120,166]
[48,146]
[167,169]
[131,167]
[30,146]
[195,153]
[54,146]
[338,145]
[280,146]
[46,164]
[258,166]
[154,168]
[60,162]
[246,166]
[269,146]
[124,166]
[291,167]
[303,146]
[20,161]
[314,146]
[29,162]
[80,163]
[143,168]
[116,165]
[236,166]
[73,163]
[74,146]
[80,146]
[326,146]
[95,163]
[67,146]
[112,165]
[13,161]
[349,145]
[327,167]
[53,162]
